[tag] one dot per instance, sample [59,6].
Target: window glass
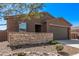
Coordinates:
[23,26]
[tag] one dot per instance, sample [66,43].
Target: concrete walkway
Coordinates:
[76,54]
[72,43]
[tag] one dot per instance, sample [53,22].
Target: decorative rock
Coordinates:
[34,54]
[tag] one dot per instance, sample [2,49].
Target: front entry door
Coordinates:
[37,28]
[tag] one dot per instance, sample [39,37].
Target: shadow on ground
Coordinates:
[26,46]
[63,53]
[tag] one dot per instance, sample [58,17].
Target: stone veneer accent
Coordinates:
[20,38]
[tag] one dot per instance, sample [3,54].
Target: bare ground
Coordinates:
[6,50]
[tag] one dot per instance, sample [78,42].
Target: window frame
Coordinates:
[25,25]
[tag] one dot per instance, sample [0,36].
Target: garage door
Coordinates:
[59,32]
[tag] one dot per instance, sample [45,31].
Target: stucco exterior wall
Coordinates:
[59,33]
[20,38]
[12,24]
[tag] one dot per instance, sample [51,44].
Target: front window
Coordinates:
[23,26]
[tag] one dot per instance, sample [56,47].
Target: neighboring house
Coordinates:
[75,32]
[58,26]
[75,29]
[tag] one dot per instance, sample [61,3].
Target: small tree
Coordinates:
[59,47]
[21,9]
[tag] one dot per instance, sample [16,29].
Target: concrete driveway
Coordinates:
[73,43]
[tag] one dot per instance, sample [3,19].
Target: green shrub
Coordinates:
[53,42]
[59,47]
[21,54]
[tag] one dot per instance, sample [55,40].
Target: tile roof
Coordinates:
[47,16]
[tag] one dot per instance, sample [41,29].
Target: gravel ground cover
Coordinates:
[36,50]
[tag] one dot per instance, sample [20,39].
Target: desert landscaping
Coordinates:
[32,31]
[35,50]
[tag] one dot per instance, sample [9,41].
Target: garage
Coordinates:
[59,32]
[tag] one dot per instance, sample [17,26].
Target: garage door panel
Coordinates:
[59,33]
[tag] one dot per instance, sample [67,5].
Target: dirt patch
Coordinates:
[70,50]
[43,48]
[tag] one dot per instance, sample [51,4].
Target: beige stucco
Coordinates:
[59,33]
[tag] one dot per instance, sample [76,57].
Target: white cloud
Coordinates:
[3,27]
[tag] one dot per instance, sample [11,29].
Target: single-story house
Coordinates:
[75,32]
[48,23]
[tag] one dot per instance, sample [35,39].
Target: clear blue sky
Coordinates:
[68,11]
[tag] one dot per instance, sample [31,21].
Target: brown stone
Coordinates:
[17,38]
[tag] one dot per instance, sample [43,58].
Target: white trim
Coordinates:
[57,25]
[38,24]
